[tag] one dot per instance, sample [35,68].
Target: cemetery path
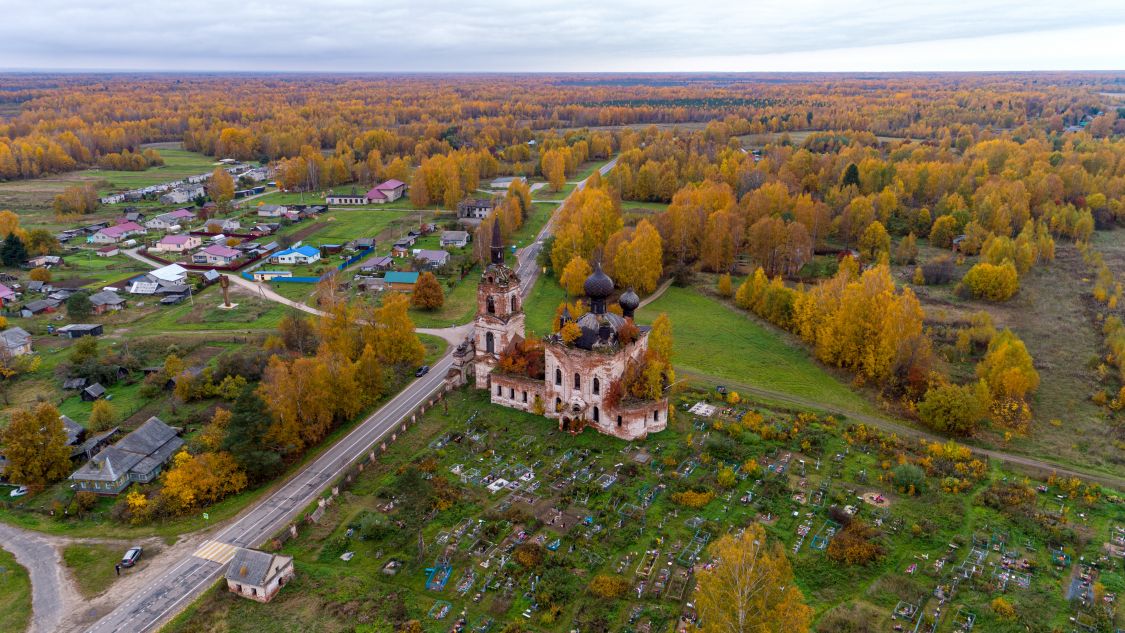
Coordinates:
[1041,466]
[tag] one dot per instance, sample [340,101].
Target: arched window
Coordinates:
[515,304]
[489,343]
[656,416]
[597,416]
[558,403]
[491,305]
[618,421]
[511,393]
[500,390]
[558,376]
[597,386]
[577,381]
[525,396]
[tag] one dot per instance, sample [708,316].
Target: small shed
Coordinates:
[94,392]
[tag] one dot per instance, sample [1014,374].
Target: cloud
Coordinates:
[515,35]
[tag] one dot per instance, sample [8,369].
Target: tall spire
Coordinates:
[497,243]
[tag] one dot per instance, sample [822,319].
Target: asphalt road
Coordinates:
[527,266]
[167,595]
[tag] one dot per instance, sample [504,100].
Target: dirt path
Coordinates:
[53,593]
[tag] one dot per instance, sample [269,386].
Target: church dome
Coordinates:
[598,285]
[629,301]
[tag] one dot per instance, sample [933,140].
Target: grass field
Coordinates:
[203,313]
[15,594]
[344,226]
[32,198]
[460,305]
[91,565]
[714,340]
[539,309]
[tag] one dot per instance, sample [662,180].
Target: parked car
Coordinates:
[130,558]
[422,371]
[18,492]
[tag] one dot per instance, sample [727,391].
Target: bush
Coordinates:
[909,479]
[954,409]
[938,271]
[992,282]
[856,544]
[608,587]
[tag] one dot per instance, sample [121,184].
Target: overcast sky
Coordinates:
[558,35]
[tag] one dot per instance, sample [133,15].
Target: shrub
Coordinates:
[992,282]
[856,544]
[608,587]
[954,409]
[909,479]
[938,271]
[693,498]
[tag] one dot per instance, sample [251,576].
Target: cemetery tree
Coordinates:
[36,448]
[427,293]
[78,305]
[751,589]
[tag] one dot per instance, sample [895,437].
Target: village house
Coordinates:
[93,392]
[272,211]
[7,295]
[296,256]
[116,233]
[174,273]
[388,191]
[78,330]
[454,239]
[476,208]
[108,251]
[177,243]
[345,198]
[216,225]
[403,282]
[16,341]
[39,306]
[216,254]
[258,575]
[370,284]
[43,261]
[138,457]
[378,264]
[107,301]
[185,193]
[578,374]
[431,259]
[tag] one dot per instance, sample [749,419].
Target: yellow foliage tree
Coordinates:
[574,275]
[751,589]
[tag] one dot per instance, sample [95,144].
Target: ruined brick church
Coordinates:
[581,381]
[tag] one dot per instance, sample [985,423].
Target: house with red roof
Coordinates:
[116,233]
[388,191]
[7,295]
[177,243]
[216,255]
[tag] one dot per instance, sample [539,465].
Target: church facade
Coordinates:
[582,373]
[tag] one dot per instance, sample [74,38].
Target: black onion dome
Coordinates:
[598,285]
[629,301]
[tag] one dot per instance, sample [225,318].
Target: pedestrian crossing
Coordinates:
[216,551]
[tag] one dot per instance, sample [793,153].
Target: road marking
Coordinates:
[216,551]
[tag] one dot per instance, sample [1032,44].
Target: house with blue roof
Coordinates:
[299,255]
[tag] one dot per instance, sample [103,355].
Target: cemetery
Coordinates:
[480,516]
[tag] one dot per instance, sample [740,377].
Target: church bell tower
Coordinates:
[500,318]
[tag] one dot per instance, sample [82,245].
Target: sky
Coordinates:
[562,35]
